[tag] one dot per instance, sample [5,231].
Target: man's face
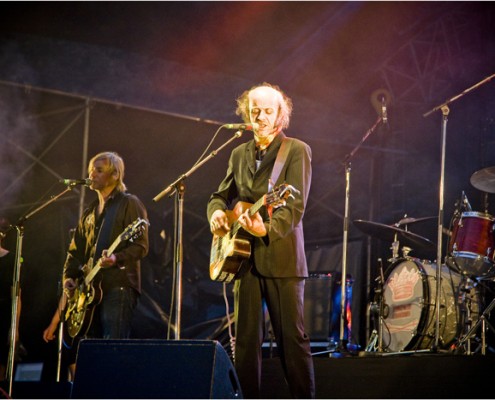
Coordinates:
[102,176]
[263,110]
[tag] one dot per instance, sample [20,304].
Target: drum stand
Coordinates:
[484,325]
[376,339]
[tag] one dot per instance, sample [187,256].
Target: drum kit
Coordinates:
[405,306]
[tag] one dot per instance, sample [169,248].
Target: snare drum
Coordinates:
[471,245]
[410,299]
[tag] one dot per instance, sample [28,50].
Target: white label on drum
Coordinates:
[402,284]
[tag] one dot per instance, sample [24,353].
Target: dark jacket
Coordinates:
[281,253]
[128,208]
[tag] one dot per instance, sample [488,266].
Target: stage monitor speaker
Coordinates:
[153,369]
[318,306]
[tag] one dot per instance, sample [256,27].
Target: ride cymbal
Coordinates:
[484,180]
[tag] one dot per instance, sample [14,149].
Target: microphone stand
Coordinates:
[342,346]
[16,285]
[178,188]
[445,112]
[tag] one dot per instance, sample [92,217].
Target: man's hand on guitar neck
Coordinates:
[107,261]
[252,224]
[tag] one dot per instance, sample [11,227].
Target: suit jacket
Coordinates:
[280,253]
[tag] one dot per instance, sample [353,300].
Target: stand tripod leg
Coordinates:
[481,321]
[372,342]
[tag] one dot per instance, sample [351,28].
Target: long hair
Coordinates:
[116,164]
[284,111]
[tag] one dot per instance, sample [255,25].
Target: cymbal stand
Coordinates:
[342,345]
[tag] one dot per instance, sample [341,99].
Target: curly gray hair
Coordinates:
[284,111]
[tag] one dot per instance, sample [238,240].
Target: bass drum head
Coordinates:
[410,297]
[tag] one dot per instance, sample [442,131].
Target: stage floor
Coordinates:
[419,375]
[411,376]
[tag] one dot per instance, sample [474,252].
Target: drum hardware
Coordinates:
[395,250]
[379,310]
[405,251]
[372,345]
[465,202]
[466,307]
[485,324]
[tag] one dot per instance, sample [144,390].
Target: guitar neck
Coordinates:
[252,210]
[97,267]
[256,206]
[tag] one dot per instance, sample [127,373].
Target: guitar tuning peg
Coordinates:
[293,189]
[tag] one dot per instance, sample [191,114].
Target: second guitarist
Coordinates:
[117,285]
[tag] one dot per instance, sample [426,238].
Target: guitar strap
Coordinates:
[283,151]
[103,241]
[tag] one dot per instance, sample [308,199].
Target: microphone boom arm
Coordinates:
[238,134]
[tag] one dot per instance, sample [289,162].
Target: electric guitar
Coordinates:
[82,300]
[230,251]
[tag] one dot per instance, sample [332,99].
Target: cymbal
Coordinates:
[484,180]
[408,220]
[389,232]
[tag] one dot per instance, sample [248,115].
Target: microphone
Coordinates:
[465,201]
[242,127]
[384,111]
[74,182]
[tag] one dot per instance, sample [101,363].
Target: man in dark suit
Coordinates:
[277,261]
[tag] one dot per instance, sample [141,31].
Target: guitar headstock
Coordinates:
[134,230]
[279,195]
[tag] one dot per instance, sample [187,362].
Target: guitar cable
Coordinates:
[229,321]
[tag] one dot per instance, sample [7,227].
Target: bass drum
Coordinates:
[410,306]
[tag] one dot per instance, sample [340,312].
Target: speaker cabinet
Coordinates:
[154,369]
[318,306]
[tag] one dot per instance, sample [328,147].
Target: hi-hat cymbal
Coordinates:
[484,180]
[389,232]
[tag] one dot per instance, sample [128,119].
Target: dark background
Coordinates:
[154,81]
